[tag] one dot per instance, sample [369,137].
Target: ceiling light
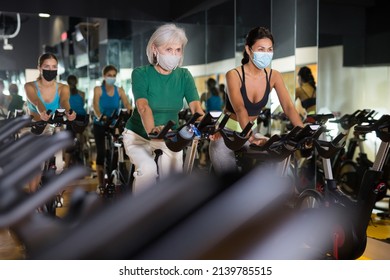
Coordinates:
[44,15]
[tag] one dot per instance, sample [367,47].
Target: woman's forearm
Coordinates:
[147,118]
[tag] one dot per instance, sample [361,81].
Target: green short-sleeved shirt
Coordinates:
[165,94]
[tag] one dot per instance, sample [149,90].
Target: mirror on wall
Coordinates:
[353,60]
[351,71]
[216,41]
[306,56]
[283,29]
[306,62]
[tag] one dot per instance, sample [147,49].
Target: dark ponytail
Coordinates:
[307,76]
[72,82]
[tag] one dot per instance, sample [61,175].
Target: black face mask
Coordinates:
[49,75]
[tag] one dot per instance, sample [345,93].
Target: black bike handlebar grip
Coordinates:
[163,132]
[339,138]
[354,114]
[294,132]
[371,113]
[319,118]
[207,124]
[246,130]
[238,140]
[224,121]
[319,131]
[326,153]
[380,126]
[193,119]
[101,117]
[371,127]
[362,116]
[166,128]
[298,133]
[328,116]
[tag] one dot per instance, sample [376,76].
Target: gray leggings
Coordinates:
[222,158]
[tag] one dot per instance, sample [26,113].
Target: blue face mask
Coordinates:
[110,80]
[262,59]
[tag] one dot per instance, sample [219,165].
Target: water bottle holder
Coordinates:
[177,146]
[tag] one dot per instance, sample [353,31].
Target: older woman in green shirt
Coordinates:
[159,90]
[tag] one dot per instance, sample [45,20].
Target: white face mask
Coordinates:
[168,61]
[110,80]
[262,59]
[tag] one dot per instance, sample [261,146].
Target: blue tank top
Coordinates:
[214,103]
[77,104]
[54,105]
[108,104]
[253,109]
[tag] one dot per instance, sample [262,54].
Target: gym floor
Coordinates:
[378,245]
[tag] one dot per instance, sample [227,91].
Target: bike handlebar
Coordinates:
[380,126]
[358,117]
[318,118]
[58,118]
[284,145]
[235,140]
[163,132]
[179,139]
[328,149]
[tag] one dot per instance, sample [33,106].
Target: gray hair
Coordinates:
[165,34]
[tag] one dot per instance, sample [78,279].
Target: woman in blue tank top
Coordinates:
[248,88]
[77,103]
[106,99]
[77,97]
[45,94]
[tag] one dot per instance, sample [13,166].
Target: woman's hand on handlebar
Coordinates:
[45,115]
[215,136]
[156,130]
[70,115]
[258,139]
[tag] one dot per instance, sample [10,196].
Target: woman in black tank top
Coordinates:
[248,89]
[306,92]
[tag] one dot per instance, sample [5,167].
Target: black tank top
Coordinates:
[253,109]
[310,101]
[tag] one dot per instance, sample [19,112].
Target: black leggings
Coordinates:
[99,134]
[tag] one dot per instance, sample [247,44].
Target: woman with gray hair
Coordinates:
[159,89]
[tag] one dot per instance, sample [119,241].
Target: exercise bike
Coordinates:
[55,164]
[345,219]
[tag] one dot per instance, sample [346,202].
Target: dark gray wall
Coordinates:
[283,27]
[250,14]
[362,27]
[306,23]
